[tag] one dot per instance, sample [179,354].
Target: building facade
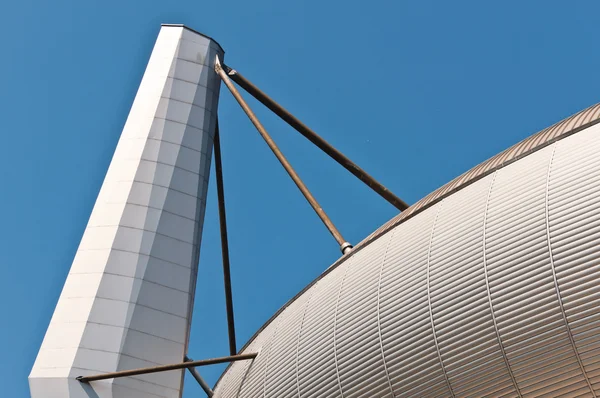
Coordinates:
[127,301]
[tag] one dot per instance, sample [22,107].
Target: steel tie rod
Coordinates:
[203,384]
[316,139]
[344,245]
[224,241]
[164,368]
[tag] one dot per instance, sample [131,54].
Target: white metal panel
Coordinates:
[461,309]
[407,336]
[358,340]
[280,375]
[316,345]
[573,207]
[254,382]
[128,297]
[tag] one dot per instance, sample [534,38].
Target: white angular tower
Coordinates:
[127,301]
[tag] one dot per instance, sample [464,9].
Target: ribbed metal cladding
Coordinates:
[570,125]
[492,291]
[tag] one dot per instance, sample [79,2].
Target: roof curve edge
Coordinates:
[566,127]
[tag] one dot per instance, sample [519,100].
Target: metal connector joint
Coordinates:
[346,247]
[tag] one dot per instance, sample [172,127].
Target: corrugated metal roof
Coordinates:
[562,129]
[493,291]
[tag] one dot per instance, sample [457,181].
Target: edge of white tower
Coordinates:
[127,300]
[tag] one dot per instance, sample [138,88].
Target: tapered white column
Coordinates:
[127,300]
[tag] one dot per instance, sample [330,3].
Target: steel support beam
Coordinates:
[224,242]
[316,139]
[164,368]
[196,375]
[344,245]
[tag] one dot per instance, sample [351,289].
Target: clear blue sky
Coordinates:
[415,92]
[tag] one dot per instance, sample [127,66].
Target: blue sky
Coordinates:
[414,92]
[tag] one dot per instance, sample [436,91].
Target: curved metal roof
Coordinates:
[574,123]
[564,128]
[492,289]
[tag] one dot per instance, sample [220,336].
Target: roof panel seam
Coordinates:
[489,293]
[299,339]
[435,341]
[556,286]
[385,368]
[335,359]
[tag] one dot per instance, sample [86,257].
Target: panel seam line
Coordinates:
[271,341]
[335,358]
[248,365]
[556,286]
[437,347]
[148,207]
[194,195]
[489,292]
[385,368]
[134,252]
[298,340]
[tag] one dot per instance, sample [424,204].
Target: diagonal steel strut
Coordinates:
[316,139]
[344,245]
[196,375]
